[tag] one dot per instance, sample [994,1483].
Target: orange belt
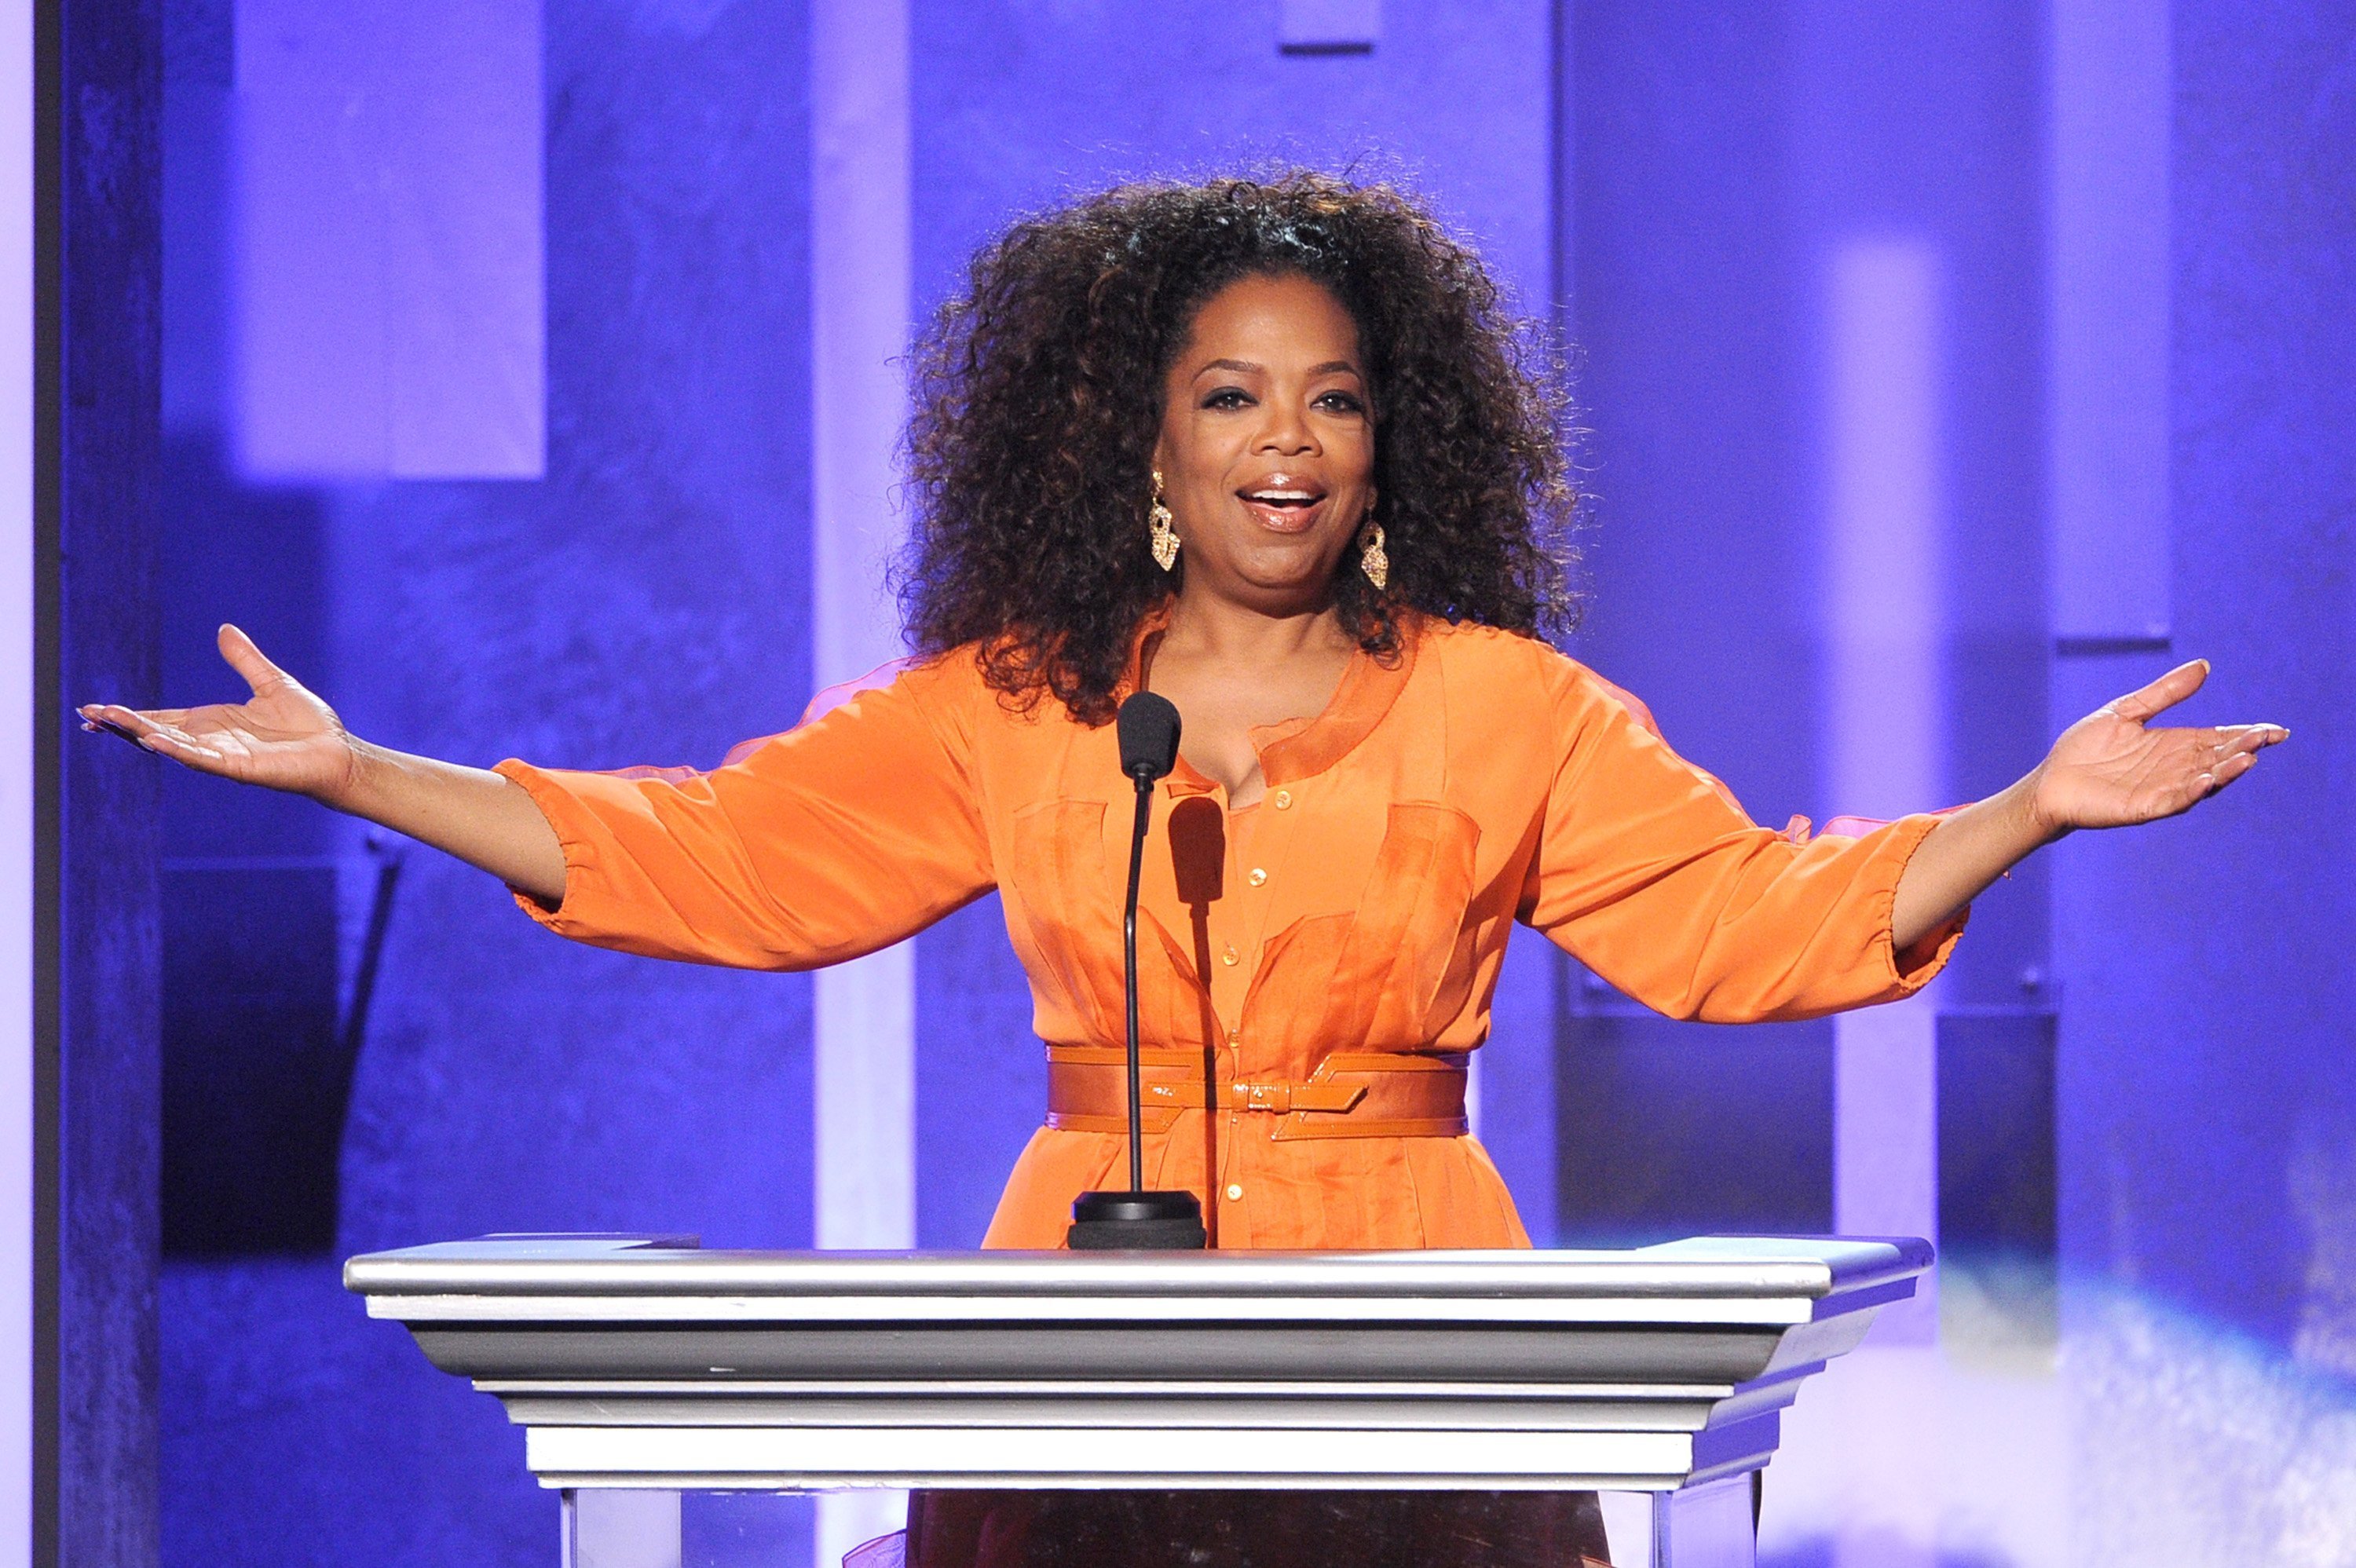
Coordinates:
[1353,1093]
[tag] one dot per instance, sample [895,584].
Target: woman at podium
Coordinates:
[1275,451]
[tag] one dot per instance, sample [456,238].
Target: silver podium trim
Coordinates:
[646,1362]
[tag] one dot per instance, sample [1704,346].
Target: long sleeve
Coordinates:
[829,841]
[1648,872]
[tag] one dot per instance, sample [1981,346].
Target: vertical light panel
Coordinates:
[16,786]
[390,287]
[1883,609]
[1883,757]
[1883,702]
[2107,273]
[859,285]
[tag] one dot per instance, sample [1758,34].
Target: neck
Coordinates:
[1203,624]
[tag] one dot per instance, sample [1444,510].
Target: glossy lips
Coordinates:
[1284,503]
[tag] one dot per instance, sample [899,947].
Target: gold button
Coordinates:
[1227,954]
[1258,876]
[1234,1192]
[1235,1037]
[1284,800]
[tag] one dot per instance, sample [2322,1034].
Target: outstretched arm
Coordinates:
[2111,768]
[284,737]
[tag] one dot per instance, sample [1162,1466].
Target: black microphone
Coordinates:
[1106,1222]
[1148,727]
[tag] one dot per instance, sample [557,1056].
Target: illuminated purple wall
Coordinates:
[644,600]
[2208,1111]
[2144,1040]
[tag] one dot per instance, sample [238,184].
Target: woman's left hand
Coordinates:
[2113,768]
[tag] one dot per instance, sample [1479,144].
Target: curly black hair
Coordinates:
[1038,402]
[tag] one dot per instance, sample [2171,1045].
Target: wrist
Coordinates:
[350,789]
[2039,825]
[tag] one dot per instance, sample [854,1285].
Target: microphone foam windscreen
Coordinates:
[1148,725]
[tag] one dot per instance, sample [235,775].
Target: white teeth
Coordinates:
[1281,496]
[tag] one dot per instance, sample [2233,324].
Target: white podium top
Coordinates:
[637,1362]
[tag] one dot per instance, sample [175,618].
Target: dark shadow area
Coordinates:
[257,1066]
[1218,1529]
[255,1077]
[1998,1215]
[1198,857]
[1995,1133]
[1669,1129]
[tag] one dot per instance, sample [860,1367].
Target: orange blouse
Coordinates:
[1363,904]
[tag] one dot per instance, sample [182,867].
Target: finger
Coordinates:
[141,727]
[109,727]
[158,733]
[142,730]
[2275,735]
[115,714]
[2226,772]
[2161,695]
[181,749]
[2213,746]
[249,661]
[2233,740]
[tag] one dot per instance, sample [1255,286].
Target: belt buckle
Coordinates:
[1250,1097]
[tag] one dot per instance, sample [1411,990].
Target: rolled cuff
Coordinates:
[1908,970]
[570,820]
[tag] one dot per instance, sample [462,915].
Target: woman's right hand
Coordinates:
[282,737]
[285,738]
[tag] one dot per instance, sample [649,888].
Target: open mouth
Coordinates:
[1285,508]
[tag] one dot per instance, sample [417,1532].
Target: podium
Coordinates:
[642,1366]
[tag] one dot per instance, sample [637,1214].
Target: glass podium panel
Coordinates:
[1708,1526]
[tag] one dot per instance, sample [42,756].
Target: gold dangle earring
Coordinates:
[1371,559]
[1162,535]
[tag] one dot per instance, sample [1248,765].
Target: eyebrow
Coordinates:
[1246,368]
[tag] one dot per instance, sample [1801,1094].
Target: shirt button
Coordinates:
[1234,1192]
[1284,800]
[1228,954]
[1235,1037]
[1258,876]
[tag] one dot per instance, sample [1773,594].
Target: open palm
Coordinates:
[2113,768]
[282,737]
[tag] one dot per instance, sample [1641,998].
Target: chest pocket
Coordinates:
[1066,934]
[1370,977]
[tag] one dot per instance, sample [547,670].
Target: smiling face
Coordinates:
[1267,451]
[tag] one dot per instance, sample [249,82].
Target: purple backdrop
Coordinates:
[2142,1109]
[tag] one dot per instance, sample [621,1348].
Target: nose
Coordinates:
[1284,433]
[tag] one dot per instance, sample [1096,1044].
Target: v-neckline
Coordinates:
[1294,749]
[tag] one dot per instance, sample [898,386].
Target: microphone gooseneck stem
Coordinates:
[1128,960]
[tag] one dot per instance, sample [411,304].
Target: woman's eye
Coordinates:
[1226,398]
[1341,402]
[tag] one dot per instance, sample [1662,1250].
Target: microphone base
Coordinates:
[1137,1222]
